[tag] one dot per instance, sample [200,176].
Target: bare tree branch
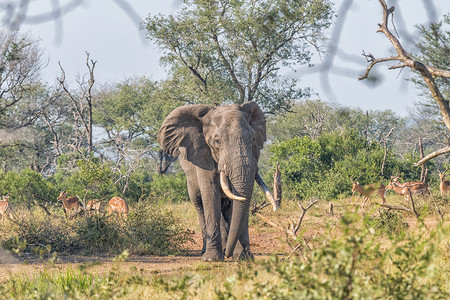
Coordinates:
[432,155]
[291,230]
[427,72]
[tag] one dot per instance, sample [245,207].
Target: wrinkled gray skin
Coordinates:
[208,140]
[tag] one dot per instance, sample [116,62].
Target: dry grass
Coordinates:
[198,280]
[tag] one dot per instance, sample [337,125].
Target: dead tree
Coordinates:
[291,229]
[276,191]
[404,59]
[82,105]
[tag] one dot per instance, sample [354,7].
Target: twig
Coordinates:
[290,230]
[258,208]
[435,204]
[42,198]
[304,210]
[270,222]
[412,204]
[293,250]
[47,212]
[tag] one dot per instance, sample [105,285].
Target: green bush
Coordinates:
[169,188]
[354,266]
[388,222]
[101,234]
[85,176]
[33,230]
[324,167]
[22,187]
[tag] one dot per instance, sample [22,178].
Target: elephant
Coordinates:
[218,148]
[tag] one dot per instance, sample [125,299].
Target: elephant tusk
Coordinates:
[226,189]
[266,191]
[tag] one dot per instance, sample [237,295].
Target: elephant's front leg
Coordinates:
[244,239]
[242,250]
[210,193]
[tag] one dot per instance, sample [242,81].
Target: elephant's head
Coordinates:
[226,138]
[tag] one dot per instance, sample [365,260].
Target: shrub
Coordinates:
[101,234]
[354,266]
[388,222]
[155,231]
[36,230]
[22,187]
[85,176]
[169,188]
[149,230]
[324,167]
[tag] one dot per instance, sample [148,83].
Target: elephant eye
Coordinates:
[216,142]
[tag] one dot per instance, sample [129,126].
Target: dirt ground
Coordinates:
[263,246]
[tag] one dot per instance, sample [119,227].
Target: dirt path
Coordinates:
[263,246]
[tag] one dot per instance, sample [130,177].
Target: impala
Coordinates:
[70,204]
[368,190]
[5,208]
[396,178]
[94,205]
[117,204]
[444,186]
[415,187]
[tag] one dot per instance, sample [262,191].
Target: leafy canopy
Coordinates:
[232,51]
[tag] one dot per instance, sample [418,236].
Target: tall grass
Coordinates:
[150,229]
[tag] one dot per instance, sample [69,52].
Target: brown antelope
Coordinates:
[5,208]
[396,178]
[117,204]
[368,190]
[415,187]
[444,186]
[94,206]
[70,204]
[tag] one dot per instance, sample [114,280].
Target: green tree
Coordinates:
[20,64]
[232,51]
[312,118]
[131,113]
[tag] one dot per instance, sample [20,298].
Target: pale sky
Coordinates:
[112,38]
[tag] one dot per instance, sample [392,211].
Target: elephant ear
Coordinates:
[258,123]
[183,128]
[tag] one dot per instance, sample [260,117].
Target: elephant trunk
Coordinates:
[242,186]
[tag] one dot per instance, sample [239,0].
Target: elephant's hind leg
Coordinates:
[194,195]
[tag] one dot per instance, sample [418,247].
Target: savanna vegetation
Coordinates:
[98,141]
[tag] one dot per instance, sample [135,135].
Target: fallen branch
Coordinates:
[258,208]
[396,207]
